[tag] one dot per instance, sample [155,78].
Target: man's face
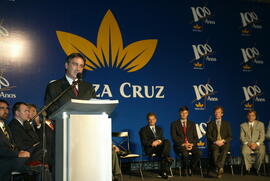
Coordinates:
[251,117]
[152,120]
[74,66]
[3,111]
[32,112]
[23,113]
[218,114]
[183,114]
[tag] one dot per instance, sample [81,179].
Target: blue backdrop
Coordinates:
[195,53]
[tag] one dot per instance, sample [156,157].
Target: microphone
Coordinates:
[79,76]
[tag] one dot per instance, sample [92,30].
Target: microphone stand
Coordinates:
[43,113]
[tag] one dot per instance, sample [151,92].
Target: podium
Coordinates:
[83,140]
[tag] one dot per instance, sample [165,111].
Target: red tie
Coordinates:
[185,131]
[75,90]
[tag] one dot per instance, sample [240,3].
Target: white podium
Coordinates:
[83,140]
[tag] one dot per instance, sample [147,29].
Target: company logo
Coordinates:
[5,86]
[252,94]
[202,53]
[204,93]
[251,56]
[249,20]
[201,132]
[201,16]
[109,51]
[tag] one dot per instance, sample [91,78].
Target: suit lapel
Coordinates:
[65,85]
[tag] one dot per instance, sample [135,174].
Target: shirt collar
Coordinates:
[21,122]
[70,80]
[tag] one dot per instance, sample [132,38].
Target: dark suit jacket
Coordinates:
[6,145]
[147,136]
[86,91]
[21,136]
[225,131]
[177,133]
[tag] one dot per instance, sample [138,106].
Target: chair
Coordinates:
[229,160]
[180,164]
[14,174]
[124,145]
[243,163]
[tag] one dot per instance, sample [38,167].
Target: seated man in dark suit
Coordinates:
[219,136]
[267,136]
[24,137]
[153,142]
[49,133]
[185,138]
[11,158]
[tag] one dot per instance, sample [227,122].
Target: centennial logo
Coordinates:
[249,21]
[5,86]
[201,16]
[204,93]
[201,132]
[250,56]
[252,94]
[109,50]
[202,53]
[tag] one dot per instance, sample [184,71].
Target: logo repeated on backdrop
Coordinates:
[252,94]
[202,53]
[249,22]
[5,87]
[251,56]
[202,16]
[204,93]
[109,51]
[201,132]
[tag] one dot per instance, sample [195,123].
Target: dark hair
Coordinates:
[4,101]
[219,107]
[16,106]
[74,55]
[252,111]
[150,114]
[183,108]
[31,105]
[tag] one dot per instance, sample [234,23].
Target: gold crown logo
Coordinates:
[197,64]
[245,31]
[199,105]
[246,67]
[197,27]
[109,50]
[248,105]
[200,143]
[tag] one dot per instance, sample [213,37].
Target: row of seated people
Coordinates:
[219,136]
[21,144]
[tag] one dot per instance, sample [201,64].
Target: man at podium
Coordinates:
[74,65]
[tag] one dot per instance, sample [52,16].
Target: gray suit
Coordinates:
[257,136]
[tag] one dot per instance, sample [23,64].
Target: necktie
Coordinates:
[185,131]
[218,129]
[251,129]
[154,132]
[5,131]
[75,90]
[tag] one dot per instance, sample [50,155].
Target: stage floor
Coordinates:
[149,176]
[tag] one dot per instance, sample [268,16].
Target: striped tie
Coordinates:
[5,131]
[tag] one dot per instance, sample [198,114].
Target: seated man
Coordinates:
[252,135]
[153,142]
[11,158]
[185,139]
[116,170]
[219,136]
[24,137]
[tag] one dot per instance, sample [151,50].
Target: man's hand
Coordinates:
[24,154]
[219,142]
[116,149]
[252,146]
[188,146]
[156,143]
